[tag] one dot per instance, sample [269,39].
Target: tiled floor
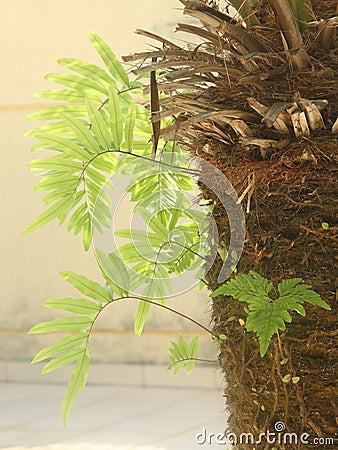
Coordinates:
[109,418]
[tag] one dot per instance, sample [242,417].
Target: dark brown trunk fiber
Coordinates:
[285,239]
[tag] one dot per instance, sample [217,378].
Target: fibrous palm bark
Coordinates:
[257,97]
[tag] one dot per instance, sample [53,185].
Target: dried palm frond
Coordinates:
[263,69]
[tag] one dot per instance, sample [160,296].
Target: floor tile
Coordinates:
[25,437]
[10,392]
[203,377]
[188,441]
[108,418]
[116,441]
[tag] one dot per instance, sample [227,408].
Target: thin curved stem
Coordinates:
[188,249]
[178,313]
[213,361]
[124,152]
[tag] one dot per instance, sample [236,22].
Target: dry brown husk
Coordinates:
[292,173]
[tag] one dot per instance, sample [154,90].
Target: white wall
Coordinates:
[34,34]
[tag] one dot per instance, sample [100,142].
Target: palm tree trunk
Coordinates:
[263,101]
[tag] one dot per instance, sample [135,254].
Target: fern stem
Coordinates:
[213,361]
[178,313]
[124,152]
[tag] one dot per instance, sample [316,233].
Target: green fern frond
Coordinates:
[102,131]
[87,138]
[77,382]
[266,315]
[75,347]
[183,355]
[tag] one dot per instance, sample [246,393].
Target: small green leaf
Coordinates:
[265,321]
[183,346]
[137,252]
[87,234]
[53,128]
[68,342]
[85,286]
[179,365]
[63,360]
[70,202]
[153,223]
[118,72]
[46,217]
[190,365]
[115,114]
[230,319]
[129,126]
[81,222]
[193,348]
[182,355]
[96,176]
[285,287]
[82,133]
[293,293]
[128,233]
[77,306]
[82,84]
[101,213]
[141,317]
[106,162]
[64,181]
[284,361]
[246,288]
[114,271]
[53,112]
[223,253]
[77,216]
[62,324]
[60,163]
[109,58]
[67,95]
[201,285]
[286,378]
[295,380]
[99,127]
[77,382]
[325,225]
[90,71]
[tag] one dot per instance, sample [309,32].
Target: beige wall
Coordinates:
[34,34]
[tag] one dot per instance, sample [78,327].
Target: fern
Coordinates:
[266,315]
[183,355]
[77,381]
[75,347]
[88,139]
[101,131]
